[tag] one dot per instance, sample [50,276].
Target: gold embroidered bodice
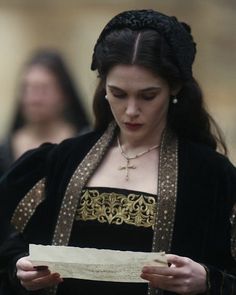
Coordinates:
[116,206]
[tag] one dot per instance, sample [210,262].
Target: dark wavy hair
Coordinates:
[188,118]
[53,61]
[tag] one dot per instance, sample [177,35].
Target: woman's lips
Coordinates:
[133,126]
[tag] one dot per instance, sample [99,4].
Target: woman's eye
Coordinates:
[119,95]
[148,96]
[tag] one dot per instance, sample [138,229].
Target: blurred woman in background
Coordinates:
[49,107]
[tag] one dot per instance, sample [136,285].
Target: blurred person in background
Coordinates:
[49,107]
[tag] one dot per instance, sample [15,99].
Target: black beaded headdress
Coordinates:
[177,35]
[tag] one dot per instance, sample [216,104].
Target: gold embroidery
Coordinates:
[114,208]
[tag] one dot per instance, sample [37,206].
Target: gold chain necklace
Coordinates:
[128,158]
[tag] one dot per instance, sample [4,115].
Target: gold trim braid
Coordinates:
[166,197]
[27,206]
[78,181]
[167,193]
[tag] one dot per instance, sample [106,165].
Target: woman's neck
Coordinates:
[33,135]
[139,144]
[48,130]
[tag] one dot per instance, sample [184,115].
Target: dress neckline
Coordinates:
[116,189]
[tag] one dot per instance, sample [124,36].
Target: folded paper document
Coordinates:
[95,264]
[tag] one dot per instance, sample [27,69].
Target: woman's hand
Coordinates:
[33,279]
[184,276]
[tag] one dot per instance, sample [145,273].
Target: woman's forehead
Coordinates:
[133,75]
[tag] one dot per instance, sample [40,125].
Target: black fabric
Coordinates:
[205,197]
[6,155]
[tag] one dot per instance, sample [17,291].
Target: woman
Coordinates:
[147,179]
[49,108]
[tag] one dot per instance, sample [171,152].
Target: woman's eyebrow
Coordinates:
[140,90]
[114,87]
[150,88]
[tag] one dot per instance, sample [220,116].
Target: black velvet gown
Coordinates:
[202,223]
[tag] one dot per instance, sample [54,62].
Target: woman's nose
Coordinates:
[132,108]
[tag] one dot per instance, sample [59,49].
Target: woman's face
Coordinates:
[139,101]
[42,99]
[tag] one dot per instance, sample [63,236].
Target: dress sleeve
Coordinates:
[220,282]
[14,185]
[223,282]
[19,179]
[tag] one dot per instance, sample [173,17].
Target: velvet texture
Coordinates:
[205,197]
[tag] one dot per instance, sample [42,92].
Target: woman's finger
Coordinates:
[24,264]
[178,261]
[163,271]
[31,275]
[43,282]
[158,281]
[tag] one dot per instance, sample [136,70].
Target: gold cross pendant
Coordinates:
[126,168]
